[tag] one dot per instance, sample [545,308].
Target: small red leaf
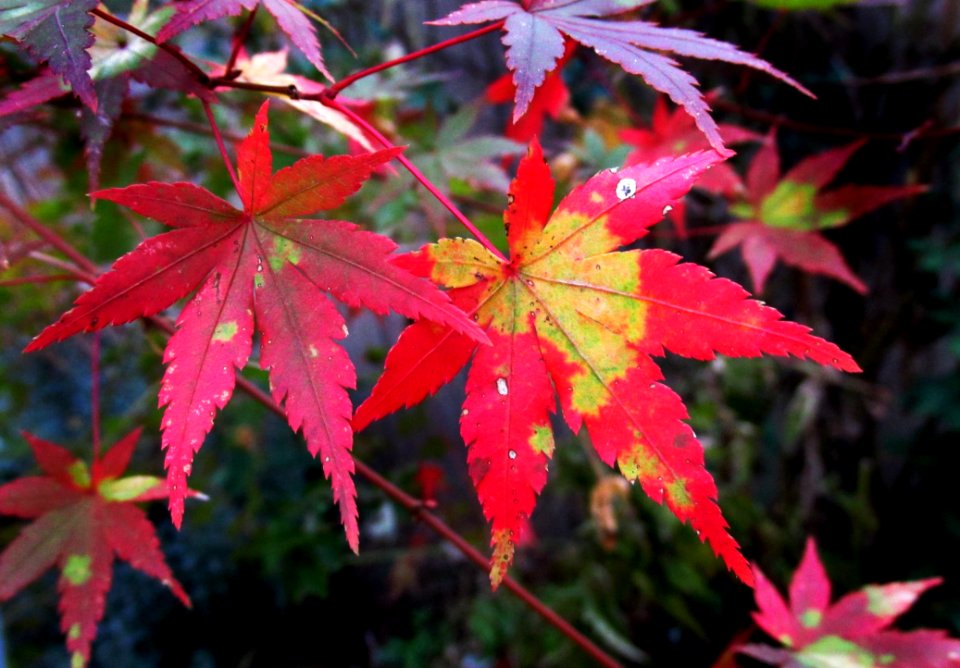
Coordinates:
[786,215]
[81,531]
[852,631]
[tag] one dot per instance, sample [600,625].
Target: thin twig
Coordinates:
[218,138]
[335,89]
[418,175]
[811,128]
[30,280]
[202,129]
[46,234]
[239,39]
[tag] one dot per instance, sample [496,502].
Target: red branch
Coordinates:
[239,39]
[335,89]
[218,138]
[417,174]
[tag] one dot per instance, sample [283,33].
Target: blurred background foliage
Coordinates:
[865,463]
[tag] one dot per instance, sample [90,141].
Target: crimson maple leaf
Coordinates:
[851,632]
[673,133]
[784,215]
[534,35]
[264,261]
[84,518]
[291,16]
[569,316]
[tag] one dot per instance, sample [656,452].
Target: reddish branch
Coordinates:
[335,89]
[239,39]
[417,174]
[218,138]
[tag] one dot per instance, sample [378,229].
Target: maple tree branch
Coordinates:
[46,234]
[202,129]
[925,131]
[218,138]
[30,280]
[239,39]
[172,49]
[69,269]
[335,89]
[417,174]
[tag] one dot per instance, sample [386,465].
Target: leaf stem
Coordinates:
[218,138]
[417,174]
[239,39]
[335,89]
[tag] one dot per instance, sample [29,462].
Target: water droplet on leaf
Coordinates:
[627,187]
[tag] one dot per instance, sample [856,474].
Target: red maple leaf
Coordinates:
[264,262]
[675,133]
[569,316]
[784,215]
[84,518]
[851,632]
[535,31]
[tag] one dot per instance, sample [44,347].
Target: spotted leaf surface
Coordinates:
[782,216]
[263,267]
[534,34]
[573,319]
[854,631]
[82,525]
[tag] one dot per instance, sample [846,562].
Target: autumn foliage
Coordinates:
[572,322]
